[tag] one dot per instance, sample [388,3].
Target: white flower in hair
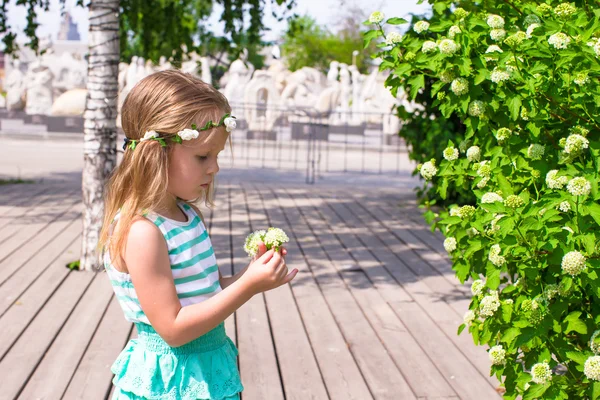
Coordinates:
[188,134]
[230,124]
[149,135]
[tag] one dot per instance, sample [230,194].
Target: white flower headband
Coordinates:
[187,134]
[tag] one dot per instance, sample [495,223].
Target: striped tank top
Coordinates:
[192,259]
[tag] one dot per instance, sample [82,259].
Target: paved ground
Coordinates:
[372,314]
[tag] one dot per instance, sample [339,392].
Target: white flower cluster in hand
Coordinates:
[473,153]
[575,144]
[565,10]
[559,40]
[591,368]
[536,151]
[460,86]
[497,355]
[252,241]
[564,206]
[573,263]
[272,238]
[530,30]
[503,134]
[495,21]
[392,38]
[451,153]
[450,244]
[429,46]
[376,17]
[495,257]
[453,31]
[448,46]
[581,78]
[469,317]
[428,170]
[476,108]
[230,124]
[497,34]
[499,75]
[541,373]
[421,26]
[188,134]
[275,237]
[149,135]
[491,197]
[489,304]
[579,186]
[477,287]
[555,182]
[447,76]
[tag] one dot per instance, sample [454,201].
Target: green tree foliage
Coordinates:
[523,78]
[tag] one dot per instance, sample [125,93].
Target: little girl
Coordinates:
[158,254]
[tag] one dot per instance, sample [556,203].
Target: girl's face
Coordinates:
[193,165]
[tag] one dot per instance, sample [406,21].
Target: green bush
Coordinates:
[523,77]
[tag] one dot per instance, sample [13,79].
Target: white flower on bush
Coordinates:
[491,197]
[531,19]
[564,206]
[565,10]
[581,78]
[530,30]
[447,76]
[483,182]
[376,17]
[503,134]
[514,201]
[454,212]
[495,21]
[594,343]
[499,75]
[575,144]
[448,46]
[428,170]
[489,304]
[450,244]
[429,46]
[477,287]
[149,135]
[471,232]
[494,224]
[469,317]
[484,169]
[555,182]
[421,26]
[230,124]
[573,263]
[476,108]
[497,355]
[579,186]
[450,153]
[497,34]
[541,373]
[460,86]
[559,40]
[392,38]
[494,49]
[495,257]
[453,31]
[466,212]
[551,291]
[536,151]
[188,134]
[591,368]
[473,153]
[597,48]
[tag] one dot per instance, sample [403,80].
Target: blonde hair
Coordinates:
[166,102]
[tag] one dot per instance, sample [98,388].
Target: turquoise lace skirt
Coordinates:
[206,368]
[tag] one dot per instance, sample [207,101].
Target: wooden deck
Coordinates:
[372,314]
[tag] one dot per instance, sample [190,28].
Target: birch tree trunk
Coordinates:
[100,129]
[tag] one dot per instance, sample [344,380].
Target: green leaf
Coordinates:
[416,83]
[73,265]
[439,7]
[510,334]
[576,356]
[595,390]
[396,21]
[574,323]
[368,36]
[536,390]
[594,209]
[514,105]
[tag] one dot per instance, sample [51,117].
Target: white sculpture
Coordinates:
[70,103]
[345,93]
[131,75]
[263,96]
[206,76]
[163,64]
[140,71]
[332,75]
[15,87]
[39,95]
[357,80]
[238,77]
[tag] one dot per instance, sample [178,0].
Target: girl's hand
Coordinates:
[268,270]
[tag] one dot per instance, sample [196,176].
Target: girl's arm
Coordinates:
[147,261]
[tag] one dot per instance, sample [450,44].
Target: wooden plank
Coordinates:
[31,345]
[299,370]
[258,364]
[420,371]
[52,376]
[92,378]
[340,372]
[28,204]
[18,196]
[34,237]
[429,314]
[384,378]
[67,230]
